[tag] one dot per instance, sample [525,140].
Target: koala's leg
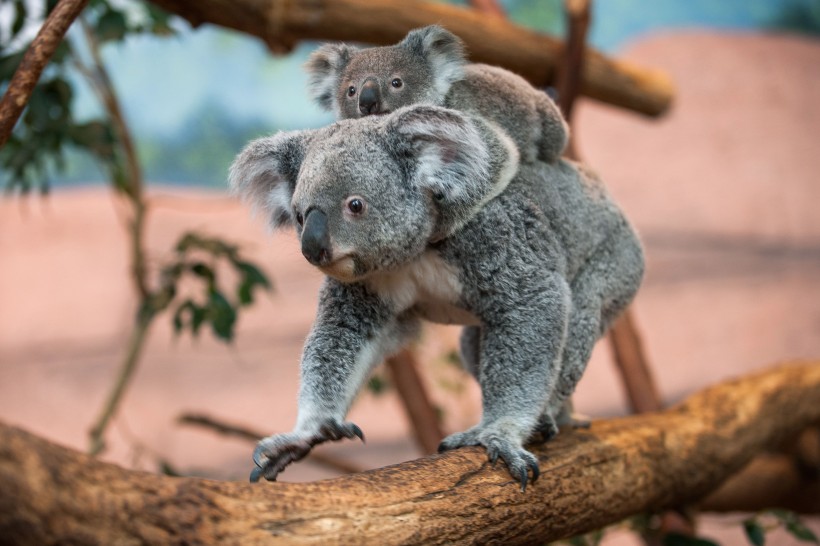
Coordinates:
[520,356]
[353,332]
[600,291]
[554,135]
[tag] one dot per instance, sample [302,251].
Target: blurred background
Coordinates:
[723,189]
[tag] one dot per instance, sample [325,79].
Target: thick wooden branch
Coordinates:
[493,40]
[589,479]
[34,61]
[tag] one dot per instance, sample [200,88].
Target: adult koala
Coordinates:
[429,66]
[424,214]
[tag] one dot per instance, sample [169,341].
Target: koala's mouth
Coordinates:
[342,268]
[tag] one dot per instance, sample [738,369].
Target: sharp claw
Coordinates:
[535,470]
[358,432]
[524,479]
[256,473]
[259,457]
[442,448]
[493,458]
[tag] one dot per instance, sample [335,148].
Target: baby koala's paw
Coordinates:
[274,453]
[519,461]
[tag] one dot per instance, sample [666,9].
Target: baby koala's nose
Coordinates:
[369,98]
[316,238]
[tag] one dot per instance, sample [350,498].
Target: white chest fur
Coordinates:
[429,285]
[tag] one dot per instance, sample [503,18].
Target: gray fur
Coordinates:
[432,65]
[454,230]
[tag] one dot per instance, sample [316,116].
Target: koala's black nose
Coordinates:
[369,98]
[316,238]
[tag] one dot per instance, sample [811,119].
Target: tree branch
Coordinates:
[34,61]
[589,479]
[494,40]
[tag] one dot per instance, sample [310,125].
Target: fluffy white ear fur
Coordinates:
[443,51]
[264,174]
[324,67]
[452,159]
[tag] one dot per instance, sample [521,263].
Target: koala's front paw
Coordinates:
[519,461]
[274,453]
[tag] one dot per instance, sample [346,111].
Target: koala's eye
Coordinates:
[351,90]
[299,218]
[355,205]
[397,83]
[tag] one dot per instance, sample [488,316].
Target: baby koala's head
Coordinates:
[355,82]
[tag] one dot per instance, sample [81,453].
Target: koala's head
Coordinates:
[370,195]
[355,83]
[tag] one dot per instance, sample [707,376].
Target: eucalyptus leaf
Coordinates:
[754,532]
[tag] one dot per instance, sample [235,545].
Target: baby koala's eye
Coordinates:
[351,90]
[355,205]
[300,219]
[397,83]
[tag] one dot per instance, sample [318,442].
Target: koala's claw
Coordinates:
[274,453]
[519,461]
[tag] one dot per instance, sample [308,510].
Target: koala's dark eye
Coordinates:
[355,205]
[299,218]
[397,83]
[351,90]
[438,196]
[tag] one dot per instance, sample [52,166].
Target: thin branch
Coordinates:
[420,411]
[34,61]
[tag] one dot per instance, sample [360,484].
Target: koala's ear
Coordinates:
[324,67]
[450,157]
[443,51]
[264,174]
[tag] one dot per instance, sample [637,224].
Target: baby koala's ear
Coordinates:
[442,50]
[264,174]
[325,67]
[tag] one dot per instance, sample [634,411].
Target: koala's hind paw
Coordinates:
[274,453]
[519,461]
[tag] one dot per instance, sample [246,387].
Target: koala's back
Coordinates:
[550,215]
[526,114]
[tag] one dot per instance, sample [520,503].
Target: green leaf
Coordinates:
[245,293]
[111,26]
[253,274]
[19,17]
[754,532]
[377,385]
[204,271]
[221,315]
[800,531]
[9,63]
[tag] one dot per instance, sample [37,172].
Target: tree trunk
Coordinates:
[494,40]
[588,479]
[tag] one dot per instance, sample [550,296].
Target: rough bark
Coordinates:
[494,40]
[34,61]
[589,479]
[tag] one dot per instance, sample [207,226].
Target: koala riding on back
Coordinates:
[429,67]
[425,213]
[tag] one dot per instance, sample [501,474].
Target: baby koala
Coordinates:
[429,67]
[425,213]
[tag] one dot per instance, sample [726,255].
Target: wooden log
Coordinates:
[494,40]
[50,494]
